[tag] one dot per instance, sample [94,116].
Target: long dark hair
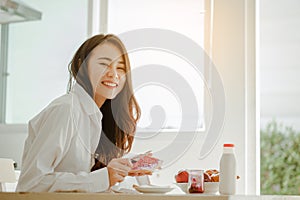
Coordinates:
[120,115]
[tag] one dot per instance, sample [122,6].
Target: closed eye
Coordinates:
[104,64]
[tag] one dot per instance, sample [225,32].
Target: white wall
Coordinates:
[233,40]
[12,138]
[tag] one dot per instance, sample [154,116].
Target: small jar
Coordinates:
[196,181]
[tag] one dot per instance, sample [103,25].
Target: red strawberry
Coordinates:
[182,176]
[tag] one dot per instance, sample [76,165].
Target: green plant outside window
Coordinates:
[280,160]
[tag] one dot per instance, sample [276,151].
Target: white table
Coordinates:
[112,196]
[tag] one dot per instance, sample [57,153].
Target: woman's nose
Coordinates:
[112,72]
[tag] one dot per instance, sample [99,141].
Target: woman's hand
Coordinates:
[117,170]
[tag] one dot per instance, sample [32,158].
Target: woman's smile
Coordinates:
[110,84]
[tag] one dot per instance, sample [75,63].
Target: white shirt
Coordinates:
[58,152]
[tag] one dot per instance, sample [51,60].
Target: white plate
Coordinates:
[153,189]
[209,187]
[117,189]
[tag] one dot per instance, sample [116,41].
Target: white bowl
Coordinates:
[209,187]
[183,186]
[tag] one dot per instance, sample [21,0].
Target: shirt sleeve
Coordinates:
[49,139]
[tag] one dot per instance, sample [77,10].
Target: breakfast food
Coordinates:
[196,181]
[207,177]
[144,164]
[211,175]
[182,176]
[196,188]
[212,171]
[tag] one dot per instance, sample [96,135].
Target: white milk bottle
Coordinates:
[228,171]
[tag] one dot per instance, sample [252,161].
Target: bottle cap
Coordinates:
[228,145]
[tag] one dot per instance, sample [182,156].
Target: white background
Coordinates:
[232,49]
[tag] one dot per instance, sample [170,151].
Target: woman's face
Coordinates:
[106,70]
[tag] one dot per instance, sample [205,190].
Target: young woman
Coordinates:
[95,121]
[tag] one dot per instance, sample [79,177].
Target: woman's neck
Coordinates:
[99,100]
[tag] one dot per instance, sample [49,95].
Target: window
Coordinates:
[161,105]
[38,56]
[279,48]
[38,60]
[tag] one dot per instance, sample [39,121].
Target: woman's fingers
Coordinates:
[118,169]
[149,153]
[118,178]
[123,173]
[121,164]
[126,161]
[115,178]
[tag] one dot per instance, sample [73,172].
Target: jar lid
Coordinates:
[228,145]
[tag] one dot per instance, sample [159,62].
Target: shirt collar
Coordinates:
[87,103]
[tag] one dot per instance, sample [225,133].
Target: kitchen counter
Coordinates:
[113,196]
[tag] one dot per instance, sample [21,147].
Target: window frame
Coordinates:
[3,70]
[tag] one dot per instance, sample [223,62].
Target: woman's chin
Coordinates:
[111,96]
[107,94]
